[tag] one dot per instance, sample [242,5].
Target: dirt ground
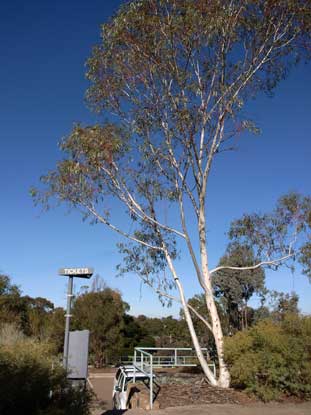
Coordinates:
[198,393]
[227,409]
[194,398]
[101,383]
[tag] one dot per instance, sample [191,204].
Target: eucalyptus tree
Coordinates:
[171,78]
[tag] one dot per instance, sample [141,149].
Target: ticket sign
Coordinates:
[76,272]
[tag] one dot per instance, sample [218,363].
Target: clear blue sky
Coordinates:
[43,49]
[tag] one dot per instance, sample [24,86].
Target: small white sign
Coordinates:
[86,272]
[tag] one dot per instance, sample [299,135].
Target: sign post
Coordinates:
[71,273]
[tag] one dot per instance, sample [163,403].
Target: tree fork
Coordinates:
[207,371]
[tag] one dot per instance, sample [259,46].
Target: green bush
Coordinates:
[32,383]
[272,358]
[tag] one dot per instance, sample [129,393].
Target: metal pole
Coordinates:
[135,356]
[67,315]
[151,381]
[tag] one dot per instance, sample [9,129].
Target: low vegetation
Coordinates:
[32,381]
[273,358]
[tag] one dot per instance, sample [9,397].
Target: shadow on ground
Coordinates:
[114,412]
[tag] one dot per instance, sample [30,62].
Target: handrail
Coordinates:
[141,368]
[169,348]
[175,360]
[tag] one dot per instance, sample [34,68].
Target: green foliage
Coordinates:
[165,331]
[13,308]
[275,235]
[284,304]
[32,382]
[272,358]
[55,326]
[234,288]
[38,310]
[276,306]
[102,313]
[174,333]
[135,335]
[35,317]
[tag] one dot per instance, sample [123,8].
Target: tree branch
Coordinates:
[171,297]
[272,262]
[113,227]
[127,198]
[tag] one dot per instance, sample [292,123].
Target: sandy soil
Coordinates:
[101,382]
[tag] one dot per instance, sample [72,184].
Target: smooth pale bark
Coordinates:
[223,379]
[224,375]
[207,371]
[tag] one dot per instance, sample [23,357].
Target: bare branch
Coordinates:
[173,298]
[127,198]
[200,317]
[188,240]
[118,230]
[260,264]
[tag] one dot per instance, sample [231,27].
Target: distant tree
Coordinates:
[261,313]
[6,287]
[287,303]
[33,316]
[174,333]
[282,304]
[236,287]
[38,310]
[166,331]
[172,79]
[152,325]
[55,328]
[276,306]
[102,313]
[134,335]
[13,307]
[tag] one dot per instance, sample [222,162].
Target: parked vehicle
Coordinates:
[124,376]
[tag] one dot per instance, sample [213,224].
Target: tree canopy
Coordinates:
[102,313]
[284,233]
[171,79]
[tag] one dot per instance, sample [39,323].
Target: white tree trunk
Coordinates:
[207,371]
[224,375]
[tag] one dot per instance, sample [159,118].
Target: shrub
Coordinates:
[272,358]
[31,382]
